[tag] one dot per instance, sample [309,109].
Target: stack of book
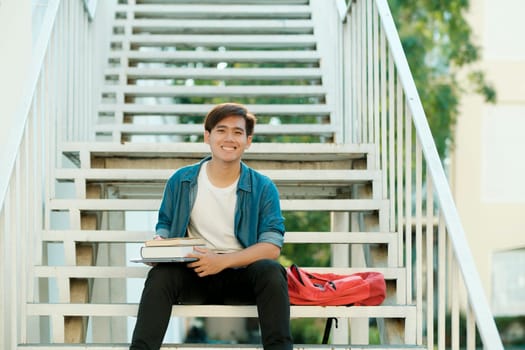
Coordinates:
[169,250]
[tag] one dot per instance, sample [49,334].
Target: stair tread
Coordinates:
[140,271]
[214,73]
[197,346]
[289,237]
[258,150]
[291,183]
[203,108]
[275,10]
[153,204]
[246,2]
[235,40]
[130,309]
[213,90]
[214,22]
[218,25]
[183,129]
[219,56]
[327,176]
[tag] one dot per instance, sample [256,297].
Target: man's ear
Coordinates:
[206,136]
[248,141]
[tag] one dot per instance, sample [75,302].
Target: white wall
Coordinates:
[15,56]
[488,168]
[503,30]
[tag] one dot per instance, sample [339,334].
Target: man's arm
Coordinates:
[210,263]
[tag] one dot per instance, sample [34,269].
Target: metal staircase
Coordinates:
[168,65]
[320,136]
[173,60]
[111,179]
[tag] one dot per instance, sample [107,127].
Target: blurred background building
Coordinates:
[488,162]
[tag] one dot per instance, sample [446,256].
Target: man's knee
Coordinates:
[159,272]
[163,275]
[269,270]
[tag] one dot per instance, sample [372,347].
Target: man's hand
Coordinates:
[209,263]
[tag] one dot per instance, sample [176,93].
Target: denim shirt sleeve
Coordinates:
[177,201]
[165,215]
[258,215]
[271,222]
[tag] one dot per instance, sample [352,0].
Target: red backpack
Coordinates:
[329,289]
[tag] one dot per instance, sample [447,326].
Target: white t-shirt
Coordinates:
[213,214]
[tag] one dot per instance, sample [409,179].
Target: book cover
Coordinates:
[178,241]
[165,251]
[164,260]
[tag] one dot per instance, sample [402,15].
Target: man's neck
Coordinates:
[223,174]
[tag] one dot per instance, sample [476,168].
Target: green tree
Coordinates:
[438,44]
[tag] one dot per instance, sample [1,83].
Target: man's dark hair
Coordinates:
[223,110]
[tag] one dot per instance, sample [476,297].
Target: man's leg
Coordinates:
[270,288]
[162,289]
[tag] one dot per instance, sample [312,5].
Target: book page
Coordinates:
[178,241]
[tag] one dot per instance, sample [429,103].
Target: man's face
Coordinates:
[228,139]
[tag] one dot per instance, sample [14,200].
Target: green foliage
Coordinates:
[307,330]
[437,41]
[512,330]
[306,254]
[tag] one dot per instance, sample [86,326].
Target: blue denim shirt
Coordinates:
[257,214]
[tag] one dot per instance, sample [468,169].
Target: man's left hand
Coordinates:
[209,263]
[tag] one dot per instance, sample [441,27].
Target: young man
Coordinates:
[237,211]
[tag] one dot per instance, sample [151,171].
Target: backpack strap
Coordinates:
[328,328]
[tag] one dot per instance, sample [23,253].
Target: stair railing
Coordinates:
[384,107]
[58,104]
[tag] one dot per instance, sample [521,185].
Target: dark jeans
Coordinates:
[262,283]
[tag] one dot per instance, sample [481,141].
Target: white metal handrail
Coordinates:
[58,104]
[8,153]
[16,171]
[384,107]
